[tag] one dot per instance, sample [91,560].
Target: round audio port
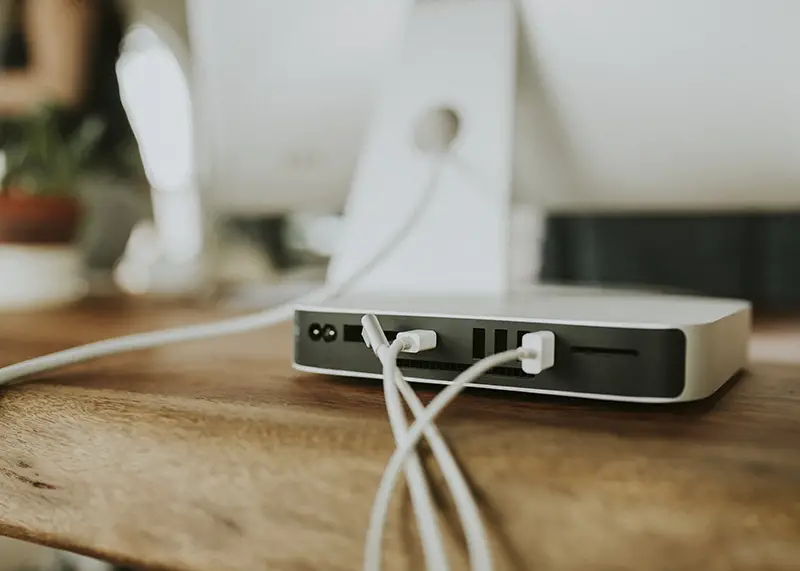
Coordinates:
[329,333]
[315,331]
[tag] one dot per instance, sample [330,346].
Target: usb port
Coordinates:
[500,340]
[478,343]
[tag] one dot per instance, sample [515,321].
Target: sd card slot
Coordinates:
[582,350]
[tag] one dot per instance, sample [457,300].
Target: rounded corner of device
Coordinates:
[705,388]
[692,394]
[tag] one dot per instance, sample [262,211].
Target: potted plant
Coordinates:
[39,202]
[40,208]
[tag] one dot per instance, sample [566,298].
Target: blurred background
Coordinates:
[674,169]
[204,150]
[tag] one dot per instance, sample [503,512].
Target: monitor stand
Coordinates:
[437,165]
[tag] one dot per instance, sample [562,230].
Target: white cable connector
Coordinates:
[372,333]
[417,340]
[543,343]
[412,341]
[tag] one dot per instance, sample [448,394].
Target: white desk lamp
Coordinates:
[164,257]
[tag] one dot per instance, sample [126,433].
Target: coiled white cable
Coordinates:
[20,371]
[393,380]
[424,509]
[380,509]
[477,540]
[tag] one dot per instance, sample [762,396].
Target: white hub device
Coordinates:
[624,346]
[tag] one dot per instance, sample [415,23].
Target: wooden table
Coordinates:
[217,456]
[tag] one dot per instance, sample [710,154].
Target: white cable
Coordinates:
[260,320]
[427,522]
[20,371]
[380,509]
[477,540]
[393,379]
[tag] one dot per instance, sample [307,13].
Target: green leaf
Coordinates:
[86,139]
[41,161]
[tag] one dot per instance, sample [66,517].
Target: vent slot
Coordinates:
[500,340]
[604,351]
[478,343]
[415,364]
[432,365]
[510,372]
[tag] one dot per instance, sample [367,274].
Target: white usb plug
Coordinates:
[543,346]
[412,341]
[372,333]
[417,340]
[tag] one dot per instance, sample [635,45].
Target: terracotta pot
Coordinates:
[26,219]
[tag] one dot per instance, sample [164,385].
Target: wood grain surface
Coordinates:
[217,456]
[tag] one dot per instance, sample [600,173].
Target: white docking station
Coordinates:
[622,346]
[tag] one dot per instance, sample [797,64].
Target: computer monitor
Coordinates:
[626,107]
[283,93]
[644,105]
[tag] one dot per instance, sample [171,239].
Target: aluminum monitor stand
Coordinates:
[456,76]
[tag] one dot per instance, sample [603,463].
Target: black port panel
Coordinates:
[633,362]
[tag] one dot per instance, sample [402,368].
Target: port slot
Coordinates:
[352,334]
[478,343]
[604,351]
[431,365]
[315,331]
[500,340]
[510,372]
[329,333]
